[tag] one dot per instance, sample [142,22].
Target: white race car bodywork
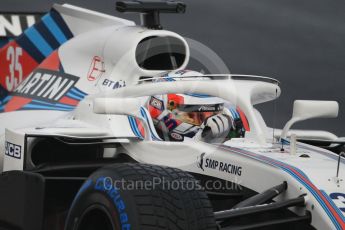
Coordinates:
[256,162]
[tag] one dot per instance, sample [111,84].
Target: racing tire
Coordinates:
[107,200]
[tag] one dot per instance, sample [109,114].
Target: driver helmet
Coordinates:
[180,115]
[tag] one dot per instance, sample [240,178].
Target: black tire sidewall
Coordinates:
[115,202]
[143,207]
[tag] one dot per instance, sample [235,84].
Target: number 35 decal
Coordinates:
[15,68]
[339,198]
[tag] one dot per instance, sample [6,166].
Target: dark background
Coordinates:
[299,42]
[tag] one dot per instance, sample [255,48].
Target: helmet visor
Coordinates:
[194,118]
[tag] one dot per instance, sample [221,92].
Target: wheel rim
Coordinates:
[96,217]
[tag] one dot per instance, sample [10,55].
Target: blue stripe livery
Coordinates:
[40,43]
[54,29]
[134,127]
[302,178]
[44,37]
[144,115]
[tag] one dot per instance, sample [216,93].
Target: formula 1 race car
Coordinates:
[79,150]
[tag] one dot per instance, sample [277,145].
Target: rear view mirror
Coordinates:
[304,109]
[307,109]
